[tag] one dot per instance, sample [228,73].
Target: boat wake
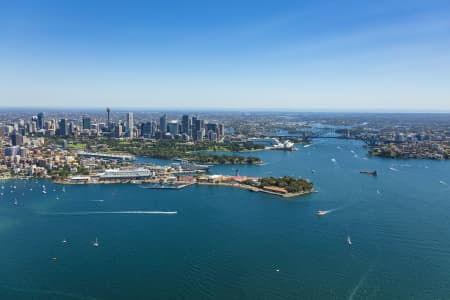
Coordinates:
[360,283]
[99,200]
[393,169]
[326,212]
[443,182]
[120,212]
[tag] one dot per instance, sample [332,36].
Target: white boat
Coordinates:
[95,244]
[44,192]
[349,240]
[15,202]
[321,212]
[57,198]
[64,241]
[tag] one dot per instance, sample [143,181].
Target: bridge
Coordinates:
[316,132]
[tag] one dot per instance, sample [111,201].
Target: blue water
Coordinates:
[226,243]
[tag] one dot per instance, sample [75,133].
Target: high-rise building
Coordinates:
[63,127]
[147,129]
[86,122]
[199,135]
[211,127]
[221,130]
[199,129]
[16,139]
[186,125]
[173,127]
[163,124]
[118,131]
[130,124]
[40,120]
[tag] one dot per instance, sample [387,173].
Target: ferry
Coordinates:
[321,212]
[186,165]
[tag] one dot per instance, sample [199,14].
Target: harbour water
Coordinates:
[206,242]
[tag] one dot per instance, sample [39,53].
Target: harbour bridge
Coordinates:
[316,132]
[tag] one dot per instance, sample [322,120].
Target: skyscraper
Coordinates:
[186,125]
[163,124]
[86,122]
[63,127]
[40,120]
[173,127]
[130,124]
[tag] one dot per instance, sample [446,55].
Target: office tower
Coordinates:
[199,129]
[63,127]
[212,136]
[16,139]
[86,122]
[200,134]
[220,130]
[173,127]
[163,124]
[211,127]
[130,124]
[186,125]
[33,127]
[40,120]
[147,129]
[118,131]
[193,125]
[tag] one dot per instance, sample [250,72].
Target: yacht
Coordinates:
[321,212]
[349,241]
[95,244]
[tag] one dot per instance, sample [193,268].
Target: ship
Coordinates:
[374,172]
[189,166]
[321,212]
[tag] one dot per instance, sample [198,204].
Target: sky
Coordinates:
[226,54]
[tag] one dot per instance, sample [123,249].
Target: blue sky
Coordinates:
[296,55]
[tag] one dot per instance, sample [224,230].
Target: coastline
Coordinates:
[183,184]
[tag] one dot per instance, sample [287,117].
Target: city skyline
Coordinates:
[308,56]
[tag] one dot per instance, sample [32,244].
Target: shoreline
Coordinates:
[183,184]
